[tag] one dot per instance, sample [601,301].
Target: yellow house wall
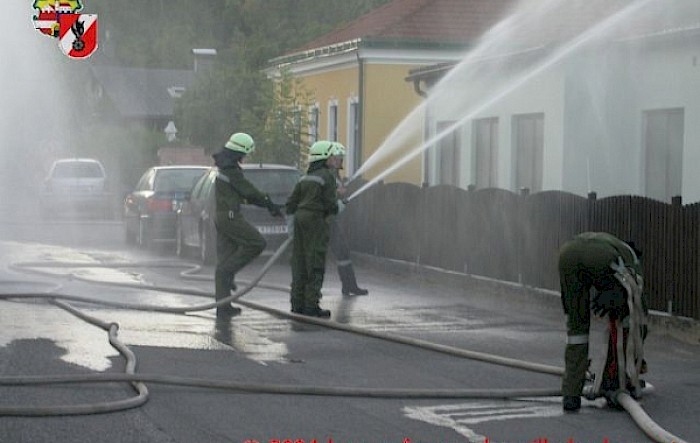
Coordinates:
[340,85]
[387,100]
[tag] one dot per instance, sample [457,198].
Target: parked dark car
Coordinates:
[76,186]
[149,211]
[195,217]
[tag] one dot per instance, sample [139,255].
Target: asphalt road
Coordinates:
[258,347]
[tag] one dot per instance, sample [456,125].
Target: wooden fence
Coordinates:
[516,237]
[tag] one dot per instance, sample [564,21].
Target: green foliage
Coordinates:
[234,95]
[283,120]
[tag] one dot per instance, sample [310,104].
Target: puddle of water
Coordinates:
[85,345]
[88,346]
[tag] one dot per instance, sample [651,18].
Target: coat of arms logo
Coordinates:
[76,33]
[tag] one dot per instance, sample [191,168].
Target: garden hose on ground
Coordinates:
[631,406]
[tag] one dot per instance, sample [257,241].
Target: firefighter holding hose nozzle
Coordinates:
[602,274]
[313,200]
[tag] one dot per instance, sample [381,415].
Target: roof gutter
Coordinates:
[361,106]
[324,51]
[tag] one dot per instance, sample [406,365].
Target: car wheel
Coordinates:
[207,247]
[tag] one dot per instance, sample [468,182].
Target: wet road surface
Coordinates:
[37,338]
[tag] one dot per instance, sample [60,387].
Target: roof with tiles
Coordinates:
[451,21]
[464,21]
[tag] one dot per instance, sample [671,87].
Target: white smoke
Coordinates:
[33,102]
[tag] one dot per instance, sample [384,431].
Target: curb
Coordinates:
[683,329]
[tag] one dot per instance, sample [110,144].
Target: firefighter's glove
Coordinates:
[290,225]
[607,301]
[342,203]
[275,210]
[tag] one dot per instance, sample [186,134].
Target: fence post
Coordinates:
[376,208]
[677,277]
[522,210]
[592,198]
[422,225]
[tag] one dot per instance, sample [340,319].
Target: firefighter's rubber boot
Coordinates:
[227,310]
[349,282]
[222,282]
[297,305]
[316,312]
[571,403]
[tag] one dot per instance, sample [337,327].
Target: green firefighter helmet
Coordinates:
[323,149]
[241,142]
[339,149]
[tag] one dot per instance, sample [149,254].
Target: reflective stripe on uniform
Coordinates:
[577,339]
[313,178]
[343,263]
[222,177]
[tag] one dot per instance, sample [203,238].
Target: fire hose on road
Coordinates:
[137,380]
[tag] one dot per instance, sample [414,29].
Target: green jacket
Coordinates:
[615,247]
[316,191]
[233,189]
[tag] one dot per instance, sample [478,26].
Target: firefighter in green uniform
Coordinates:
[237,241]
[313,200]
[591,260]
[339,245]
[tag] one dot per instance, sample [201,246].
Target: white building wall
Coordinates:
[607,92]
[593,106]
[542,94]
[669,77]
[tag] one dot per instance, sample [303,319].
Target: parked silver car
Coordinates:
[149,210]
[196,231]
[76,186]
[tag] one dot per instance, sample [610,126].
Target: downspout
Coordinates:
[360,111]
[426,129]
[416,87]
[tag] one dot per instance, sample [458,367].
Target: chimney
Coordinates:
[203,59]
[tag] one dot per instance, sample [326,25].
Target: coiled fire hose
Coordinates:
[639,416]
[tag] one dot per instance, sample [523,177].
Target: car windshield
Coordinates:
[77,170]
[273,181]
[177,180]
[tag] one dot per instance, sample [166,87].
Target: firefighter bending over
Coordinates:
[612,268]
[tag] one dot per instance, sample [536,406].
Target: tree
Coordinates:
[283,121]
[234,95]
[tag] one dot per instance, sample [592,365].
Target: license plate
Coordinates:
[274,229]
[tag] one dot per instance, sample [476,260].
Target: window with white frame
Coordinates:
[314,114]
[528,143]
[663,146]
[448,154]
[485,133]
[333,120]
[353,137]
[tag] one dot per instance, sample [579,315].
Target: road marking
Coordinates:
[461,416]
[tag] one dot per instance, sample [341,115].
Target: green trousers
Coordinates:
[582,264]
[237,244]
[310,244]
